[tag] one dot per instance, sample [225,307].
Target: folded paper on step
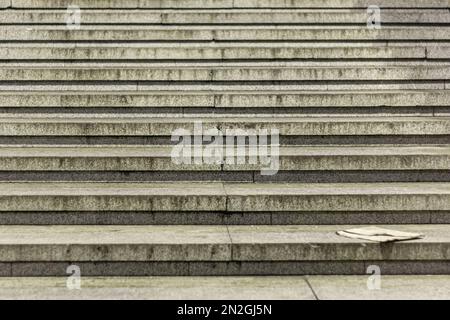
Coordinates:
[379,235]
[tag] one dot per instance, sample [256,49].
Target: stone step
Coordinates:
[218,72]
[213,51]
[221,33]
[133,4]
[301,158]
[227,288]
[235,16]
[203,96]
[166,87]
[214,250]
[163,288]
[219,197]
[141,125]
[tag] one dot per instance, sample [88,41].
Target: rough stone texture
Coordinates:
[365,111]
[214,243]
[338,197]
[229,288]
[229,3]
[141,125]
[392,288]
[220,33]
[220,72]
[243,99]
[241,16]
[153,288]
[169,51]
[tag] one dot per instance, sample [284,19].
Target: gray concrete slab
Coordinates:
[160,288]
[211,51]
[148,125]
[392,288]
[320,243]
[338,197]
[221,72]
[229,4]
[109,243]
[220,33]
[210,98]
[224,16]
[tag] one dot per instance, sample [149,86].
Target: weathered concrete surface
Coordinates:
[220,89]
[236,16]
[338,197]
[219,33]
[392,288]
[221,72]
[141,125]
[228,3]
[320,243]
[439,52]
[94,243]
[160,288]
[112,197]
[233,99]
[228,288]
[214,243]
[206,51]
[136,158]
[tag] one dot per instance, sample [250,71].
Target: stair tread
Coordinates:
[163,118]
[165,151]
[230,4]
[227,288]
[213,243]
[98,235]
[219,189]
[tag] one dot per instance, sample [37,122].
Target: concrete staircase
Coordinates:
[87,115]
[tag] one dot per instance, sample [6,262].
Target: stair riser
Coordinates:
[231,101]
[134,269]
[244,203]
[127,53]
[284,140]
[368,176]
[221,34]
[212,218]
[133,4]
[383,162]
[356,16]
[420,73]
[309,252]
[92,129]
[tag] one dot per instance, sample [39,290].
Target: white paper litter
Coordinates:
[379,235]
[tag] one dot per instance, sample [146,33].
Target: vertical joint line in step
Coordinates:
[311,288]
[231,244]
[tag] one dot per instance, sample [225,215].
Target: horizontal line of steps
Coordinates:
[214,250]
[220,33]
[215,89]
[168,288]
[300,164]
[139,125]
[146,158]
[200,4]
[252,16]
[223,197]
[223,72]
[214,51]
[226,288]
[194,96]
